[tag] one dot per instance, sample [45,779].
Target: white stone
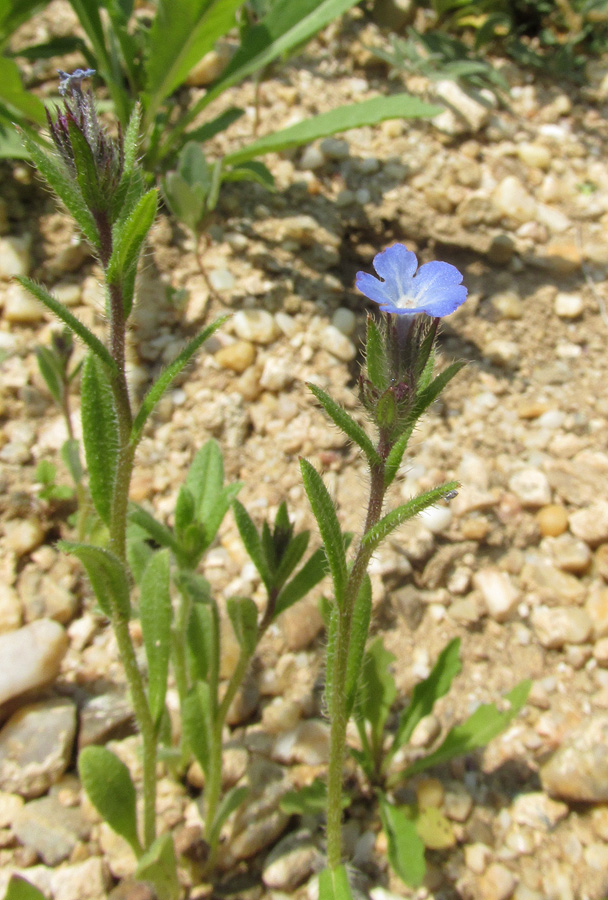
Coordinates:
[221,279]
[467,109]
[568,306]
[513,200]
[256,325]
[15,256]
[531,486]
[21,307]
[535,155]
[276,375]
[338,344]
[436,518]
[31,657]
[312,158]
[88,880]
[23,535]
[591,524]
[500,595]
[344,320]
[335,148]
[556,626]
[503,353]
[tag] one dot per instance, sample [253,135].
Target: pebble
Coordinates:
[312,158]
[15,258]
[221,279]
[335,148]
[10,608]
[514,201]
[88,880]
[256,325]
[538,811]
[23,536]
[591,524]
[36,746]
[476,857]
[237,357]
[568,306]
[552,520]
[436,518]
[568,553]
[500,595]
[531,486]
[578,770]
[508,304]
[497,882]
[503,353]
[535,155]
[597,607]
[210,66]
[344,320]
[277,374]
[600,652]
[337,343]
[308,744]
[471,115]
[20,307]
[556,626]
[457,802]
[105,717]
[291,862]
[31,657]
[601,561]
[51,829]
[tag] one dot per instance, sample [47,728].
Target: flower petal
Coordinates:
[373,288]
[438,289]
[396,265]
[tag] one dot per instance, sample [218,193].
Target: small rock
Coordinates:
[601,561]
[50,829]
[10,804]
[308,744]
[568,553]
[457,802]
[560,625]
[469,112]
[312,158]
[597,607]
[476,857]
[436,518]
[256,325]
[552,520]
[277,374]
[20,307]
[426,731]
[497,882]
[550,584]
[88,880]
[338,344]
[36,746]
[538,811]
[292,861]
[468,610]
[600,652]
[394,14]
[569,306]
[535,155]
[46,596]
[578,770]
[500,596]
[23,536]
[106,717]
[591,524]
[237,356]
[335,148]
[503,353]
[301,623]
[210,66]
[508,304]
[514,201]
[15,257]
[344,320]
[531,487]
[221,279]
[31,657]
[10,608]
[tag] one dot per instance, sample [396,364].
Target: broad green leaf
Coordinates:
[107,575]
[99,434]
[215,515]
[162,383]
[311,573]
[355,115]
[253,545]
[156,614]
[244,618]
[377,690]
[158,865]
[401,514]
[20,889]
[230,802]
[70,454]
[434,829]
[346,424]
[333,885]
[478,730]
[74,324]
[13,94]
[325,514]
[427,692]
[110,789]
[51,371]
[405,847]
[375,356]
[197,723]
[157,531]
[182,32]
[358,636]
[205,478]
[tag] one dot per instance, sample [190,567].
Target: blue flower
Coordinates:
[71,83]
[435,289]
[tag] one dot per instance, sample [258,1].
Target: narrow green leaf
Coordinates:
[131,143]
[205,478]
[325,514]
[251,171]
[156,614]
[355,115]
[230,802]
[430,393]
[244,618]
[330,654]
[129,236]
[157,531]
[292,555]
[70,454]
[50,369]
[215,126]
[92,342]
[20,889]
[359,630]
[396,455]
[406,511]
[312,572]
[333,885]
[184,509]
[158,865]
[378,691]
[375,356]
[86,168]
[162,383]
[110,789]
[197,723]
[139,551]
[251,540]
[215,515]
[99,434]
[427,692]
[478,730]
[14,95]
[405,847]
[346,424]
[107,575]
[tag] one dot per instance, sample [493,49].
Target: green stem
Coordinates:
[339,717]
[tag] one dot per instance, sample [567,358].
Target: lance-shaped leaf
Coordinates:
[230,802]
[405,847]
[99,434]
[110,789]
[427,692]
[311,573]
[92,342]
[333,885]
[362,612]
[20,889]
[346,424]
[162,383]
[155,613]
[396,455]
[107,575]
[52,372]
[157,531]
[375,357]
[244,618]
[197,723]
[86,169]
[325,514]
[478,730]
[292,555]
[70,454]
[158,865]
[430,393]
[330,615]
[253,545]
[378,690]
[128,236]
[397,517]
